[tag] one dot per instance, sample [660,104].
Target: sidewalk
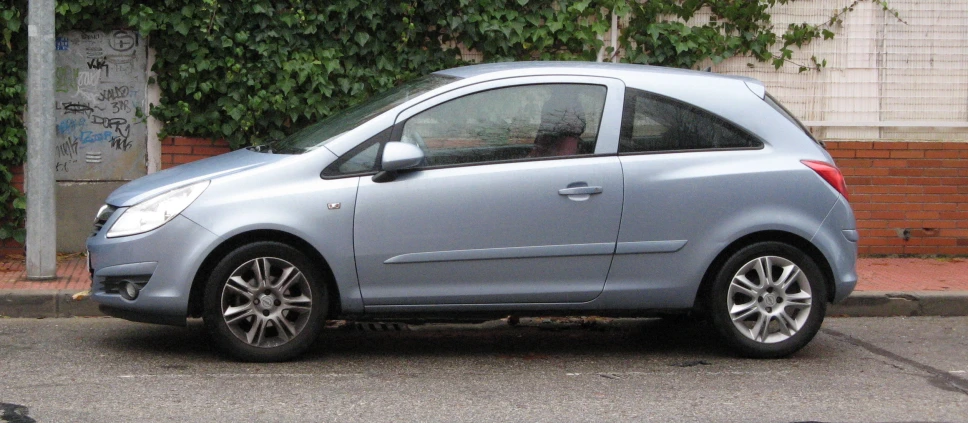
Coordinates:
[886,287]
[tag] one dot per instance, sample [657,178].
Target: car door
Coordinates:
[497,214]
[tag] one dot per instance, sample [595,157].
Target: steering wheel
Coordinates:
[414,138]
[418,140]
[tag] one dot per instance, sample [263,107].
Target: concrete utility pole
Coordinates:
[41,220]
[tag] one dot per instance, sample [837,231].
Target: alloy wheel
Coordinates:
[769,299]
[266,302]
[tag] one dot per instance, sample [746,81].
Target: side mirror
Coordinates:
[398,156]
[401,155]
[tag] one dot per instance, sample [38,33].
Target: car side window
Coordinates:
[360,160]
[532,121]
[651,122]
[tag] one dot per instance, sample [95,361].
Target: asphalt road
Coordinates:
[857,369]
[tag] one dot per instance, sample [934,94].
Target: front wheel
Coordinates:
[768,300]
[265,302]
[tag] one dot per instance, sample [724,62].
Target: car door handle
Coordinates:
[580,191]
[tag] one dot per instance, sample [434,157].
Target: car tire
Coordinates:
[768,300]
[265,302]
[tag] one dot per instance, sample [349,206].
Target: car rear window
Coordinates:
[655,123]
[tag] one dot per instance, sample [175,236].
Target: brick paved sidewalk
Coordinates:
[912,274]
[71,274]
[876,274]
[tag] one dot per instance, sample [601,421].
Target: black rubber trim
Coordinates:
[142,317]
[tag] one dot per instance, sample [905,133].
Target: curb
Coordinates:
[58,303]
[43,303]
[890,304]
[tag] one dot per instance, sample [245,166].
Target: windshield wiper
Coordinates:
[265,148]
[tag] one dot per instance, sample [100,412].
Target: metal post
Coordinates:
[39,184]
[614,37]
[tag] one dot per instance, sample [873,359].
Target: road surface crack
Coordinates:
[938,378]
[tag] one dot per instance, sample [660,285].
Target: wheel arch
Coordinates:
[196,295]
[802,244]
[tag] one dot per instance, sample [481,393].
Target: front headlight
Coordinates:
[156,211]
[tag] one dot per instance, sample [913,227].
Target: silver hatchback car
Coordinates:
[492,190]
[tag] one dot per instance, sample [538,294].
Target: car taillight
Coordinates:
[829,173]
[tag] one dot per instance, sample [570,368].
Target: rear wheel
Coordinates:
[768,300]
[265,302]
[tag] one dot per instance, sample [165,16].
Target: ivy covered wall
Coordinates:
[250,71]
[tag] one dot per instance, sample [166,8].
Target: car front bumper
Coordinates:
[162,262]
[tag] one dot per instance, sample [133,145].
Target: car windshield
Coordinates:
[319,133]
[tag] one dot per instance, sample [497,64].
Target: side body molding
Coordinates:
[596,249]
[644,247]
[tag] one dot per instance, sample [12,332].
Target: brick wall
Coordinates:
[180,150]
[909,197]
[9,247]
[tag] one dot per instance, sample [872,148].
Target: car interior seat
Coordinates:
[562,123]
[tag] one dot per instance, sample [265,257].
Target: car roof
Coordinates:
[621,70]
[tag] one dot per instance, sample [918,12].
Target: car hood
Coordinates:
[149,186]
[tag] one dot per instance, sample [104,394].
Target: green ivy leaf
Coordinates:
[286,85]
[361,38]
[229,127]
[182,27]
